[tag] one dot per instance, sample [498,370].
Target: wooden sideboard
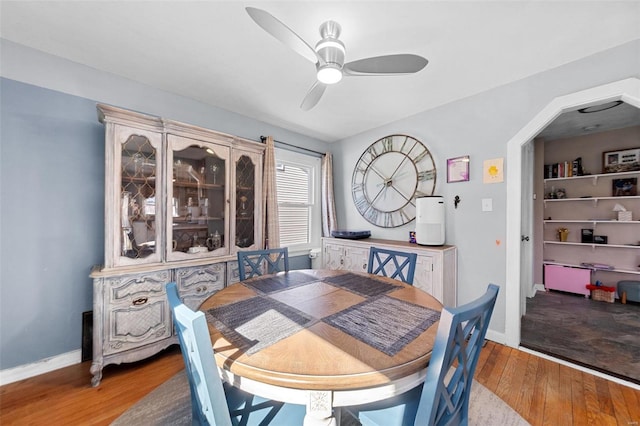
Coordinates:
[436,268]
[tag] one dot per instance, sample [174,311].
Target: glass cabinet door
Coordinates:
[248,208]
[135,220]
[196,199]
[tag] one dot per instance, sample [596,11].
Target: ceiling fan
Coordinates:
[329,54]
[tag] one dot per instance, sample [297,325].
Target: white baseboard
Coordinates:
[494,336]
[538,287]
[46,365]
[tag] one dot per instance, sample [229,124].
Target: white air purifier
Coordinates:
[430,220]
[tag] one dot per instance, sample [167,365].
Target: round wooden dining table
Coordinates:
[322,338]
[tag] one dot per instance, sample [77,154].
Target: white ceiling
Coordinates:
[213,52]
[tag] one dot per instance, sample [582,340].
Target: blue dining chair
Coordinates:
[443,398]
[392,263]
[212,402]
[252,263]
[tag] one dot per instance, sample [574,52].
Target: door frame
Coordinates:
[628,91]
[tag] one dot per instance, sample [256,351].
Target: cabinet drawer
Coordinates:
[136,311]
[198,283]
[136,290]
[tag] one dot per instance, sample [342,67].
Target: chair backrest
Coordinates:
[208,399]
[461,332]
[392,263]
[253,263]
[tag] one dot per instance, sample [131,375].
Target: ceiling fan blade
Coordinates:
[386,65]
[313,96]
[280,31]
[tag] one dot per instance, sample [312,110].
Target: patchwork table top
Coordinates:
[322,329]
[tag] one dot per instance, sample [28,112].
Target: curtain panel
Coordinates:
[329,221]
[270,201]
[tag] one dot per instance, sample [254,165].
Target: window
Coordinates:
[298,181]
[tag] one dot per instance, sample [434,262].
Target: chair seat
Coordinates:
[397,411]
[248,409]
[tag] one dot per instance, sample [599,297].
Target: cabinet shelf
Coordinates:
[187,184]
[151,180]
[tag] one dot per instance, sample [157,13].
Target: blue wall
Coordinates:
[52,219]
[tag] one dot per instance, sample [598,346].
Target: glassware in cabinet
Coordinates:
[247,172]
[197,197]
[133,165]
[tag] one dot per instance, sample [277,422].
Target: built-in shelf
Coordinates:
[594,200]
[594,221]
[594,177]
[593,246]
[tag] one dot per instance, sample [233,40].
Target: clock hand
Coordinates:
[404,158]
[377,195]
[378,173]
[403,196]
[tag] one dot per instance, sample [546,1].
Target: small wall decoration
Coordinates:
[627,160]
[458,169]
[493,171]
[624,187]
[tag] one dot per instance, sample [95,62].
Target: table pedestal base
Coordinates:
[320,409]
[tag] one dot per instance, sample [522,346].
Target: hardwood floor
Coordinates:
[542,391]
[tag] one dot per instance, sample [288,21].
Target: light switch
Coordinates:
[487,204]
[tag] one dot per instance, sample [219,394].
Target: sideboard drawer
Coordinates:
[196,284]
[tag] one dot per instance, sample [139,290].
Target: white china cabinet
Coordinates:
[180,200]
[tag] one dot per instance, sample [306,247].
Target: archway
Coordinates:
[627,91]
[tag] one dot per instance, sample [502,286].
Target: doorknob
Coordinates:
[524,238]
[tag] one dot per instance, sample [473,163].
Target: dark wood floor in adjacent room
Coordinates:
[542,391]
[600,335]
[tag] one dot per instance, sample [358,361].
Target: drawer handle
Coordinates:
[140,301]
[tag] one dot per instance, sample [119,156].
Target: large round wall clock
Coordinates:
[388,177]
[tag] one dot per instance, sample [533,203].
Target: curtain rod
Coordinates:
[263,138]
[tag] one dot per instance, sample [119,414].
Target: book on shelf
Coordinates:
[563,169]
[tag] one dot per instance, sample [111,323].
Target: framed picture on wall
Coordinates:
[627,160]
[458,169]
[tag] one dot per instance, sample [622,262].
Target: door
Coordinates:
[526,226]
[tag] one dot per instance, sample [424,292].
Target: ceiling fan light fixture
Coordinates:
[329,74]
[330,43]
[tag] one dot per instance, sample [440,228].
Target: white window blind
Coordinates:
[294,203]
[298,181]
